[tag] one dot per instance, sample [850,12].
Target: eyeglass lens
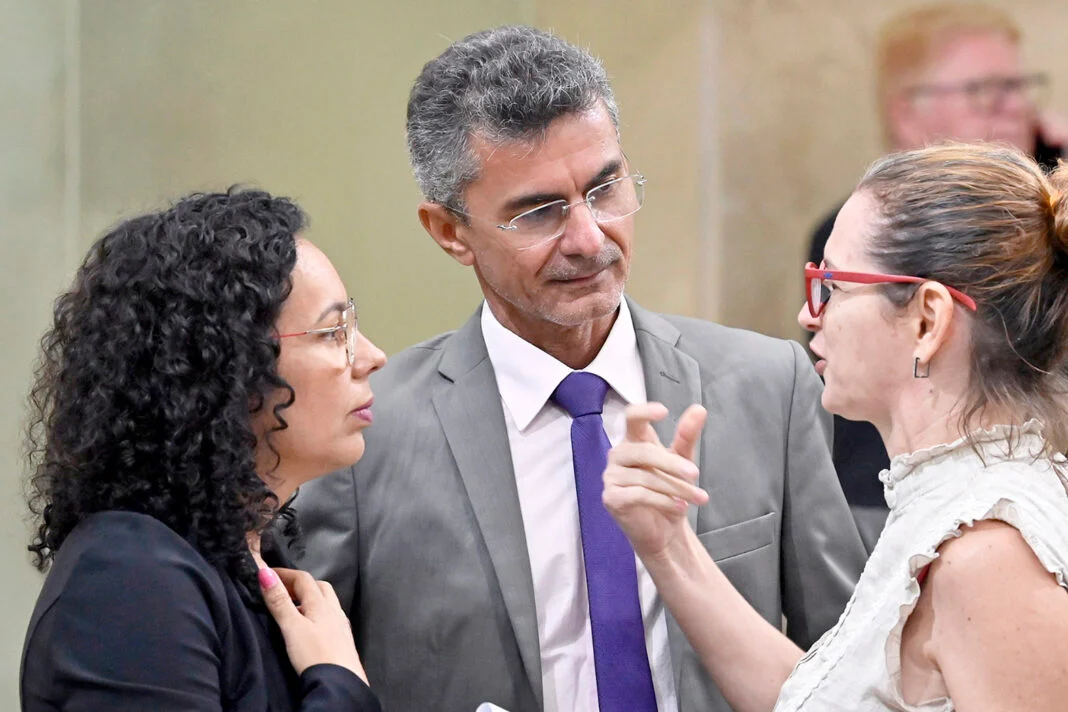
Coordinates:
[349,320]
[989,93]
[818,294]
[613,200]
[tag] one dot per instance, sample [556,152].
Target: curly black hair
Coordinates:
[159,355]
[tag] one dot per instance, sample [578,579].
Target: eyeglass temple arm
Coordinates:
[324,330]
[866,278]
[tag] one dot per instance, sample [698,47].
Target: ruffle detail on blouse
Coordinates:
[1003,510]
[999,442]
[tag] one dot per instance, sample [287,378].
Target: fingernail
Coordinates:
[268,578]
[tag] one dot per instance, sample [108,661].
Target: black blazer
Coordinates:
[132,617]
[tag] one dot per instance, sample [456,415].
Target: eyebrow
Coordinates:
[828,264]
[335,307]
[611,168]
[533,200]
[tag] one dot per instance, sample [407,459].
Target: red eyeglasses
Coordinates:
[817,293]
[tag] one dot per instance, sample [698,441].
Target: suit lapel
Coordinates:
[674,379]
[671,376]
[472,419]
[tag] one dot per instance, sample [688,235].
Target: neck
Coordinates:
[282,488]
[935,418]
[278,475]
[575,346]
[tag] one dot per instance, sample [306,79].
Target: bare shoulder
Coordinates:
[991,556]
[981,576]
[999,622]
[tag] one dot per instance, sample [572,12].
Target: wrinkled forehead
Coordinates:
[574,149]
[558,134]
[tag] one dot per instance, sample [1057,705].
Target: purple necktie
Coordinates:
[619,656]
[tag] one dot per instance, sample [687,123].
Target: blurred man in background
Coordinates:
[943,71]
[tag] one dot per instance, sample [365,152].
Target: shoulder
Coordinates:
[123,537]
[129,611]
[983,573]
[742,355]
[998,621]
[701,335]
[414,356]
[412,367]
[128,556]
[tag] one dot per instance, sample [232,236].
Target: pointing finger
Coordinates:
[688,431]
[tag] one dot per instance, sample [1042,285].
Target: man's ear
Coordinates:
[442,225]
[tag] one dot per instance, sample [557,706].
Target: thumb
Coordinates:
[276,597]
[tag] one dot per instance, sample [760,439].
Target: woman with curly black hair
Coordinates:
[173,416]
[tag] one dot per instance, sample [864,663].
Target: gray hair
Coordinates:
[505,84]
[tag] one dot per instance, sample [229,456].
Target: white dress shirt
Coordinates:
[539,434]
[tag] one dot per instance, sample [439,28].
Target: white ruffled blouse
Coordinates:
[932,493]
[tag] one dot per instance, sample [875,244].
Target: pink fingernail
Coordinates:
[268,578]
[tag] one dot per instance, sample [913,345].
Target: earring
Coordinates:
[916,369]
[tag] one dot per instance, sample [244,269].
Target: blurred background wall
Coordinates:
[751,118]
[798,126]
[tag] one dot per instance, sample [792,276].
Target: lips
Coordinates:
[363,412]
[582,277]
[578,269]
[821,363]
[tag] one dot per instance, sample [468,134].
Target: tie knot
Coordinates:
[581,393]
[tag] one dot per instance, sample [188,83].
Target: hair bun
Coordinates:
[1058,207]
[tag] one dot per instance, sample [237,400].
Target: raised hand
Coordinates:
[315,632]
[647,487]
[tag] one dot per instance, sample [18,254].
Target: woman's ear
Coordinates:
[444,226]
[932,321]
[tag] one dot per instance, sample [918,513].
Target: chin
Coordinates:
[859,411]
[826,403]
[349,455]
[585,308]
[353,454]
[833,405]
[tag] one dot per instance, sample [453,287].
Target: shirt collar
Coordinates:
[527,376]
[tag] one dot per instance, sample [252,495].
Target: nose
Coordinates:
[582,235]
[806,320]
[369,358]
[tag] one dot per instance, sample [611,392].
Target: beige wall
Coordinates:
[798,127]
[34,209]
[302,99]
[749,119]
[652,58]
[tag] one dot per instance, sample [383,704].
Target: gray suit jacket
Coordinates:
[423,539]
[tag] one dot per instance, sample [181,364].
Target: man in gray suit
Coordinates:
[459,544]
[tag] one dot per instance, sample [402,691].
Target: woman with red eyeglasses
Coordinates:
[940,315]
